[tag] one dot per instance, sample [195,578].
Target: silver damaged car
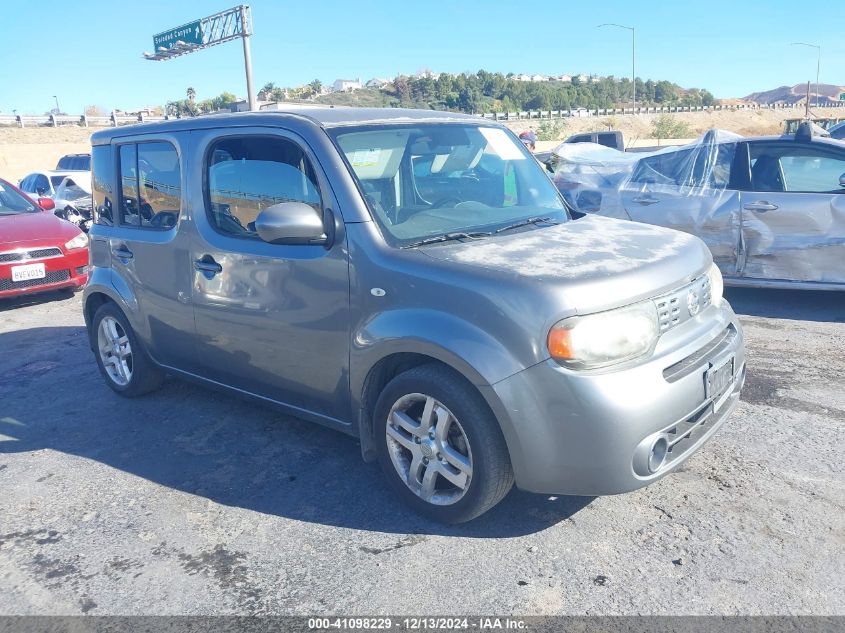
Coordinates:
[413,279]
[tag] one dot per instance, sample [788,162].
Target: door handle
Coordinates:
[760,205]
[646,200]
[208,265]
[122,253]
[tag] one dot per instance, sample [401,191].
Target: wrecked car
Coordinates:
[771,209]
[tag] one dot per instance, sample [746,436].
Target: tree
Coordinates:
[668,126]
[192,94]
[266,91]
[316,87]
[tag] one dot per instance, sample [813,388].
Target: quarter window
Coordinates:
[248,174]
[150,185]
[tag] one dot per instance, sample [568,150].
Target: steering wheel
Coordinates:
[443,203]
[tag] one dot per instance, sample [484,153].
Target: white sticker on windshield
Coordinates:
[365,157]
[502,144]
[1,189]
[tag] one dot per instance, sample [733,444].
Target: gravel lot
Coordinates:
[189,502]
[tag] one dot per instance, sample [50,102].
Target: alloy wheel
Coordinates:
[115,350]
[429,449]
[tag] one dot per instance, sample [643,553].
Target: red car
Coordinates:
[38,251]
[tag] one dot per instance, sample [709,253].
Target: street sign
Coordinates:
[232,24]
[842,96]
[190,33]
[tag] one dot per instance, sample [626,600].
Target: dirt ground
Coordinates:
[639,127]
[23,150]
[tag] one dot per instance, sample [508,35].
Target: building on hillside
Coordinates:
[539,78]
[595,78]
[522,77]
[347,85]
[583,78]
[377,82]
[564,78]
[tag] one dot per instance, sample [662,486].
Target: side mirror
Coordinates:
[40,191]
[46,204]
[842,180]
[290,223]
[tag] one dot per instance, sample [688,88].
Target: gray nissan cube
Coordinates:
[414,279]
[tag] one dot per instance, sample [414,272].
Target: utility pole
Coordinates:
[633,55]
[58,109]
[818,65]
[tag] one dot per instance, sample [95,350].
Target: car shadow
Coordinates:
[210,444]
[13,303]
[803,305]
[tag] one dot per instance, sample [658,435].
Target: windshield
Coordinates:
[425,180]
[75,192]
[12,203]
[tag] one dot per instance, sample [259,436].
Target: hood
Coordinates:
[593,263]
[40,227]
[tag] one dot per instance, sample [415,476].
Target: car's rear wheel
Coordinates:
[440,446]
[120,357]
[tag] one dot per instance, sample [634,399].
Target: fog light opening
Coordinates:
[657,455]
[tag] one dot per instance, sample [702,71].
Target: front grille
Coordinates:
[19,256]
[52,277]
[686,433]
[683,304]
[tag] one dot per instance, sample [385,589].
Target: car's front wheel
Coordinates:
[120,357]
[440,446]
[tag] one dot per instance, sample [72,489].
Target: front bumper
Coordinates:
[589,433]
[69,270]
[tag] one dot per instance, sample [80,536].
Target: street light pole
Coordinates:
[818,63]
[633,55]
[245,17]
[58,109]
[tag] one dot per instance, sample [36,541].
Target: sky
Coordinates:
[90,52]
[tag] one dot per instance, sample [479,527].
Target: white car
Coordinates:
[73,199]
[43,184]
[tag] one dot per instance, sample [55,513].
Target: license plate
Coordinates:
[718,380]
[27,272]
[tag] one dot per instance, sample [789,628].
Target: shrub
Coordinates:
[667,126]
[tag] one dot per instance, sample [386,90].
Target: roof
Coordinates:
[325,117]
[58,172]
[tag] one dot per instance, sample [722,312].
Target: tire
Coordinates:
[131,373]
[430,418]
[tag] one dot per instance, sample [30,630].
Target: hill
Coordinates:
[796,94]
[495,92]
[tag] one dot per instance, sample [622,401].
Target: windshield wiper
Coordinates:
[447,237]
[526,222]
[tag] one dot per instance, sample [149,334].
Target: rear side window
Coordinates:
[246,175]
[101,184]
[150,185]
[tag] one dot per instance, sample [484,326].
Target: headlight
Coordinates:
[605,338]
[80,241]
[717,286]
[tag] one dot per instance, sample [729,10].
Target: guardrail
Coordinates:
[115,120]
[585,112]
[83,120]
